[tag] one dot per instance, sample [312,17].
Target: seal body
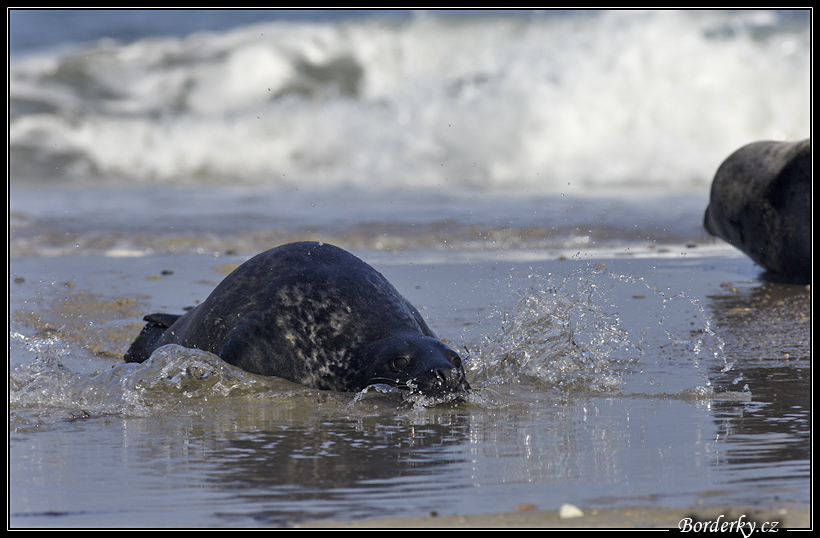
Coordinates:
[314,314]
[760,202]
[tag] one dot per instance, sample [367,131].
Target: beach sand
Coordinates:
[622,518]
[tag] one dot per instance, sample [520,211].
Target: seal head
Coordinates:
[419,364]
[760,202]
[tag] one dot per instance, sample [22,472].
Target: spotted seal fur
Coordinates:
[316,315]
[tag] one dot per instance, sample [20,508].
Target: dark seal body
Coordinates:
[314,314]
[760,202]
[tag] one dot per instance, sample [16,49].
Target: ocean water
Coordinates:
[433,125]
[534,181]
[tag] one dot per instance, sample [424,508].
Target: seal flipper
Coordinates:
[146,342]
[162,319]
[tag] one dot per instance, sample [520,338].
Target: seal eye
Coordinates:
[399,363]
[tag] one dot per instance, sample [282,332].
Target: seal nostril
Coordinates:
[447,377]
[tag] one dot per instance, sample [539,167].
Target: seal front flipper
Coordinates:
[146,342]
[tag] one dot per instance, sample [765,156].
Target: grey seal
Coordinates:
[317,315]
[760,202]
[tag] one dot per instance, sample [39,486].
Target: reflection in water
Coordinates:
[767,333]
[343,467]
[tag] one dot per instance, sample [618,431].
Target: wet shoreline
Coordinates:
[86,309]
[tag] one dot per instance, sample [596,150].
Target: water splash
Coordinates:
[174,377]
[599,331]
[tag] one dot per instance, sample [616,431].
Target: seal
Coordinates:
[316,315]
[760,202]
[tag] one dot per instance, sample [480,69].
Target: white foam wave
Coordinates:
[553,103]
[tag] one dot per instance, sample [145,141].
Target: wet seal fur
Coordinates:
[314,314]
[760,202]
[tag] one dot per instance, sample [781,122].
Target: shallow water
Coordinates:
[660,412]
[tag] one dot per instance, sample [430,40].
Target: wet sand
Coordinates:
[622,518]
